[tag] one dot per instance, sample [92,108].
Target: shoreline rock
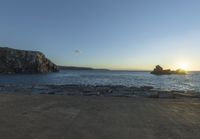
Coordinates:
[85,90]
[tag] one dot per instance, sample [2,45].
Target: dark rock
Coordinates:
[159,71]
[146,88]
[148,94]
[20,61]
[158,68]
[153,94]
[165,94]
[51,93]
[187,94]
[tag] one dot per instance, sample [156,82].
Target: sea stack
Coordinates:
[21,61]
[158,70]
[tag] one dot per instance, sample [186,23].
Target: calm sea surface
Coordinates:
[190,82]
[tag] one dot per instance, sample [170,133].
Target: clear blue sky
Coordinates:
[116,34]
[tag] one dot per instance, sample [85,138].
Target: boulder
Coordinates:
[158,68]
[21,61]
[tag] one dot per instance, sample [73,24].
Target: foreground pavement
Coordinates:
[74,117]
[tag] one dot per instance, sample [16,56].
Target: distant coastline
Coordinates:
[103,69]
[79,68]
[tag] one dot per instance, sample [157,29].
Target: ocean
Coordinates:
[189,82]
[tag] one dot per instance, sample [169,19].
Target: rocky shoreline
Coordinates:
[88,90]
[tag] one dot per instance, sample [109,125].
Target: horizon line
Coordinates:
[94,68]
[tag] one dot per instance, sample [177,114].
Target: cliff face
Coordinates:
[20,61]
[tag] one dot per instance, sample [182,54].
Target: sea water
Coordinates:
[189,82]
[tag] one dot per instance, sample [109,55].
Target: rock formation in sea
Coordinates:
[21,61]
[158,70]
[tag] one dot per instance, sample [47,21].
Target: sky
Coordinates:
[114,34]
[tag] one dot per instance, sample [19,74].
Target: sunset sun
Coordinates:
[184,66]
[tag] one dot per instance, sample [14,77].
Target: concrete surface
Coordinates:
[73,117]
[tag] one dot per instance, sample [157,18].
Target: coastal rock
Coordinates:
[146,88]
[21,61]
[158,70]
[165,94]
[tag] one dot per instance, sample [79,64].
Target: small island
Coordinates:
[158,70]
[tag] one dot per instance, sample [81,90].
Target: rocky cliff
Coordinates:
[20,61]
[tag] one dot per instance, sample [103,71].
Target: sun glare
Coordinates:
[184,66]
